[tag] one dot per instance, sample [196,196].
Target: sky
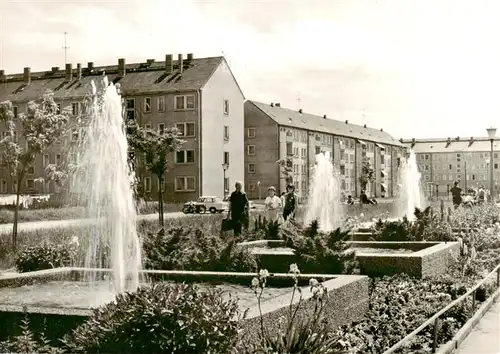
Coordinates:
[416,68]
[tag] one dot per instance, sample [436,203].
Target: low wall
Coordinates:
[348,301]
[431,261]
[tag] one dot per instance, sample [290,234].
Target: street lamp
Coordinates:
[258,186]
[225,166]
[491,135]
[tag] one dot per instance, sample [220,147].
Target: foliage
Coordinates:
[41,126]
[367,173]
[27,342]
[46,256]
[163,318]
[266,230]
[427,226]
[321,253]
[306,334]
[286,167]
[191,249]
[399,304]
[154,147]
[483,215]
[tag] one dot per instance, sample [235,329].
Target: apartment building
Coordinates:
[444,161]
[199,96]
[274,133]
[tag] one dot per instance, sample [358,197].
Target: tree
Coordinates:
[40,127]
[286,166]
[153,148]
[367,173]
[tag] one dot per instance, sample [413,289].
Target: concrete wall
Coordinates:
[222,86]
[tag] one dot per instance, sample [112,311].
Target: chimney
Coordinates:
[169,64]
[277,104]
[365,125]
[471,138]
[150,61]
[457,138]
[180,62]
[122,71]
[69,72]
[90,65]
[55,69]
[413,140]
[324,116]
[189,57]
[27,75]
[300,110]
[79,71]
[272,104]
[381,129]
[346,121]
[2,75]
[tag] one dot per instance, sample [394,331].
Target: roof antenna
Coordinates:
[65,48]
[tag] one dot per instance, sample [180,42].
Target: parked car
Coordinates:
[251,205]
[204,204]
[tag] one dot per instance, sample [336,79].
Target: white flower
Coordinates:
[473,253]
[74,241]
[294,268]
[313,283]
[361,215]
[465,250]
[263,273]
[255,283]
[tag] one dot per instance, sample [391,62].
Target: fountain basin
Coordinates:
[376,258]
[58,301]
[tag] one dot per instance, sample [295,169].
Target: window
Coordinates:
[226,107]
[130,104]
[74,135]
[161,104]
[147,184]
[185,129]
[15,111]
[58,159]
[58,109]
[147,104]
[4,186]
[289,148]
[46,187]
[184,156]
[303,153]
[185,184]
[45,160]
[495,166]
[296,152]
[226,132]
[251,186]
[251,168]
[147,126]
[30,183]
[31,170]
[450,167]
[75,108]
[251,133]
[226,157]
[426,156]
[161,128]
[304,186]
[251,150]
[318,150]
[183,103]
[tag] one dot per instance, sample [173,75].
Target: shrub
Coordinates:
[42,257]
[318,252]
[190,249]
[175,318]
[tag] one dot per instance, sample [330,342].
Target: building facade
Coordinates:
[274,133]
[441,162]
[199,96]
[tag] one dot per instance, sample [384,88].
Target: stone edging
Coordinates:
[463,332]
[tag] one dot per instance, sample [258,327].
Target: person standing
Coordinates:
[272,205]
[238,208]
[291,202]
[456,195]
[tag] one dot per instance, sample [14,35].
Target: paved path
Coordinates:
[485,337]
[50,224]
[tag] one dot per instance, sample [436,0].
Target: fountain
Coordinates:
[105,184]
[324,196]
[410,192]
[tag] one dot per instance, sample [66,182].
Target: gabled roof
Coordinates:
[295,119]
[429,146]
[140,78]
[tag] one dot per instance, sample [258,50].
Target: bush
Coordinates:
[42,257]
[191,249]
[175,318]
[324,253]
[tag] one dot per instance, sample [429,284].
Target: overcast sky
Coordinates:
[424,68]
